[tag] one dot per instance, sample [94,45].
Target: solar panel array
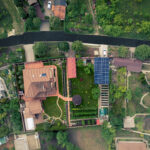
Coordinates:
[101,70]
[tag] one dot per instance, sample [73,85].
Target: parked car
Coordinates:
[49,5]
[104,52]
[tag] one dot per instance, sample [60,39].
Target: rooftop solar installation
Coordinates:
[101,70]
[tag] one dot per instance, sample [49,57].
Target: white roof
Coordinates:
[29,124]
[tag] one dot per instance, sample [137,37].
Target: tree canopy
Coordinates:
[40,49]
[142,52]
[77,46]
[122,51]
[63,46]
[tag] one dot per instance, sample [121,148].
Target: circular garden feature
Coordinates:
[76,100]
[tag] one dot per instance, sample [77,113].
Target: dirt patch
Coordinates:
[87,138]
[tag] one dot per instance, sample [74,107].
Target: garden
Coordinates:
[9,56]
[146,100]
[10,80]
[138,87]
[142,123]
[117,95]
[124,18]
[84,86]
[47,50]
[78,17]
[52,109]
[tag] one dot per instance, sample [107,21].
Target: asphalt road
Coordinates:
[31,37]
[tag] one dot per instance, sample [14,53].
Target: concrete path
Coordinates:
[4,67]
[44,26]
[141,102]
[29,53]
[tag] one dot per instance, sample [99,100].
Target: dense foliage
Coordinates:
[63,46]
[77,46]
[78,18]
[124,17]
[142,52]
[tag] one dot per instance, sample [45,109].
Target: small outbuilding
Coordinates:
[76,100]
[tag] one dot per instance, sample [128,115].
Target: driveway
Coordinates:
[44,26]
[47,12]
[29,53]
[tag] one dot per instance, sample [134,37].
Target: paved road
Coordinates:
[31,37]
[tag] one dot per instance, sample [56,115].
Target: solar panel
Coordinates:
[101,70]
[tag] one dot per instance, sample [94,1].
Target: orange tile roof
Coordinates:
[59,11]
[71,67]
[39,80]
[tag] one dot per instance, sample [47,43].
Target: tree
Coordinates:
[108,133]
[142,52]
[28,24]
[70,146]
[95,93]
[22,12]
[36,23]
[51,147]
[63,46]
[88,19]
[18,3]
[62,138]
[40,49]
[87,70]
[3,131]
[32,12]
[122,51]
[55,23]
[77,46]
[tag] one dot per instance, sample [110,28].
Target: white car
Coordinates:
[49,5]
[104,52]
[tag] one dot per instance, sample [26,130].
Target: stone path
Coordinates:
[29,53]
[141,102]
[44,26]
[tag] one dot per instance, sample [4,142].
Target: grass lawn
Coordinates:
[83,85]
[146,100]
[138,89]
[51,108]
[18,23]
[87,138]
[60,81]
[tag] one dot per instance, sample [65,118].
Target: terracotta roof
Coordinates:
[39,81]
[34,106]
[32,2]
[131,64]
[131,145]
[59,11]
[71,67]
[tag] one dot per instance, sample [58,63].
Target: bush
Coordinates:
[77,46]
[32,12]
[83,122]
[142,52]
[55,23]
[63,46]
[22,12]
[95,93]
[122,51]
[36,23]
[40,49]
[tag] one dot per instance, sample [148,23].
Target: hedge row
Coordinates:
[84,113]
[82,117]
[84,109]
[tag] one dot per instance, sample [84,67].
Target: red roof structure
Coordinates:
[71,67]
[131,64]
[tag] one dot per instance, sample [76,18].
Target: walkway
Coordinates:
[141,102]
[31,37]
[4,67]
[29,53]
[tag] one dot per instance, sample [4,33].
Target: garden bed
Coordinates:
[83,85]
[137,89]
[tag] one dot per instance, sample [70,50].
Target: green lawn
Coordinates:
[60,81]
[51,107]
[138,89]
[83,85]
[88,138]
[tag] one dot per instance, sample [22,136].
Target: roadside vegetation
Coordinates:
[78,17]
[124,18]
[6,21]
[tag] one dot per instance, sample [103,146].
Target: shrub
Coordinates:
[32,12]
[83,122]
[63,46]
[122,51]
[36,23]
[22,13]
